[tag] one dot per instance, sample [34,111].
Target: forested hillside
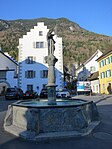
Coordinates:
[79,44]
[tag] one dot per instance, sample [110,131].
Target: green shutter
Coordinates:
[105,61]
[111,59]
[26,74]
[100,64]
[101,75]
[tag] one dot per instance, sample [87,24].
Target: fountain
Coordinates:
[49,119]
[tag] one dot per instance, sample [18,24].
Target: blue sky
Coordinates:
[93,15]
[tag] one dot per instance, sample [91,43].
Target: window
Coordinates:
[29,87]
[108,73]
[102,75]
[40,33]
[44,74]
[102,63]
[2,74]
[41,44]
[38,44]
[30,60]
[92,68]
[30,74]
[108,61]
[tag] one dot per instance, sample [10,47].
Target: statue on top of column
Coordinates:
[51,42]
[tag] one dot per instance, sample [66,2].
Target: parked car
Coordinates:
[63,93]
[30,94]
[44,93]
[13,93]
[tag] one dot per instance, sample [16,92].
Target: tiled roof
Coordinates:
[94,76]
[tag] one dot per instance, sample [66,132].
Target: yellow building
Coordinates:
[105,72]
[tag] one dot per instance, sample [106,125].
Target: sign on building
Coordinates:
[83,86]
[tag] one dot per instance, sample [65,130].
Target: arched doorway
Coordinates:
[3,86]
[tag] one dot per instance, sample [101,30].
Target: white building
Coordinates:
[8,72]
[89,67]
[89,71]
[95,83]
[33,70]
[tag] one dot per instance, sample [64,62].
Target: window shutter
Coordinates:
[26,74]
[34,44]
[111,58]
[101,75]
[34,74]
[41,73]
[45,44]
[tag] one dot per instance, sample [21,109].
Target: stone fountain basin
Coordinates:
[36,120]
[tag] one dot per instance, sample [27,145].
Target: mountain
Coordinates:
[79,44]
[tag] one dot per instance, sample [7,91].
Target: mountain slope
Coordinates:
[79,44]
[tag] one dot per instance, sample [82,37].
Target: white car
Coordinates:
[63,93]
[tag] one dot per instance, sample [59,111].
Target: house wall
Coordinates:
[8,69]
[95,86]
[105,73]
[93,62]
[27,48]
[6,63]
[11,79]
[90,66]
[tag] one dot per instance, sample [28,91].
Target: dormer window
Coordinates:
[30,60]
[40,33]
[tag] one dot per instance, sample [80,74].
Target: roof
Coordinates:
[7,70]
[94,76]
[9,58]
[104,55]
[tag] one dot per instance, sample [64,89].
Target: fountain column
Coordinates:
[51,60]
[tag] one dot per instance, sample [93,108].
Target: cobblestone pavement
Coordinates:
[100,138]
